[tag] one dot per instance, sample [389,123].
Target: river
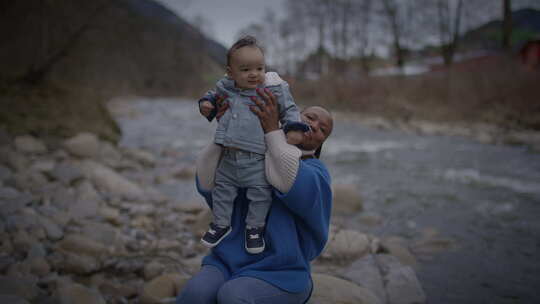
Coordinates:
[486,198]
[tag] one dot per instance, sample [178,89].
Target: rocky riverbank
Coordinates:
[83,222]
[481,132]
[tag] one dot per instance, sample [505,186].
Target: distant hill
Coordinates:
[62,59]
[122,46]
[526,25]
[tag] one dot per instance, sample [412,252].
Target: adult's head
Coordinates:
[246,64]
[321,123]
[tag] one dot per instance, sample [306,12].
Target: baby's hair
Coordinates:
[242,42]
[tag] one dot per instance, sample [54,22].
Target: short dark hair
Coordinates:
[242,42]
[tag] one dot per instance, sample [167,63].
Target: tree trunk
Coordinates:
[391,13]
[507,24]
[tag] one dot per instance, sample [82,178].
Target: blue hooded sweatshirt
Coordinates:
[296,232]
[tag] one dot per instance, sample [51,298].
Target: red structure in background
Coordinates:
[530,54]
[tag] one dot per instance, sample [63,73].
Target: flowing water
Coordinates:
[486,198]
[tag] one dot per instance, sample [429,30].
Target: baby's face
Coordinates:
[247,67]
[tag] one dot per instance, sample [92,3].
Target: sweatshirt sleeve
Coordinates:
[210,96]
[310,200]
[281,161]
[310,196]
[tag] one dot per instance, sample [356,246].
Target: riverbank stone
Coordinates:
[330,289]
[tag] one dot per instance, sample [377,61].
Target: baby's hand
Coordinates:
[206,108]
[294,137]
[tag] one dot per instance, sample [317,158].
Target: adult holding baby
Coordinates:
[298,220]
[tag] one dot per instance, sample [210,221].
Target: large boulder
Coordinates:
[365,272]
[83,145]
[111,182]
[402,285]
[329,289]
[71,293]
[346,199]
[29,144]
[163,287]
[347,244]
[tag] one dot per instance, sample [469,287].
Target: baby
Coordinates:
[240,134]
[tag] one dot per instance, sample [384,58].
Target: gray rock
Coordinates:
[109,155]
[29,144]
[62,198]
[78,263]
[346,199]
[21,222]
[5,173]
[111,182]
[37,250]
[72,293]
[67,173]
[43,165]
[189,207]
[15,161]
[152,270]
[8,193]
[366,273]
[87,203]
[144,157]
[18,286]
[5,138]
[83,208]
[111,215]
[12,299]
[39,266]
[163,287]
[398,248]
[347,244]
[8,208]
[83,145]
[22,242]
[82,245]
[102,233]
[53,230]
[329,289]
[403,287]
[30,180]
[142,209]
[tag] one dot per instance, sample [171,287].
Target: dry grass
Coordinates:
[498,92]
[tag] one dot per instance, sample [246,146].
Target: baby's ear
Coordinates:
[228,71]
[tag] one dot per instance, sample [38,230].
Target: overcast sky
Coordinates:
[224,17]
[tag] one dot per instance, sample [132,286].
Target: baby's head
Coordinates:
[245,63]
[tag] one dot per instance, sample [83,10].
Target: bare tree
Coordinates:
[362,17]
[449,27]
[394,11]
[507,24]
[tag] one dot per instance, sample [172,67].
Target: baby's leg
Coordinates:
[259,195]
[223,195]
[260,198]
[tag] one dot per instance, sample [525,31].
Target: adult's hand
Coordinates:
[222,106]
[267,111]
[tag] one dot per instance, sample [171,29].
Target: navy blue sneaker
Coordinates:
[254,239]
[214,235]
